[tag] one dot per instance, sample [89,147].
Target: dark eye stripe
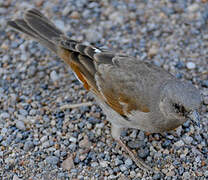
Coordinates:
[179,108]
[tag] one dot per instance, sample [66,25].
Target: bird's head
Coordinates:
[178,101]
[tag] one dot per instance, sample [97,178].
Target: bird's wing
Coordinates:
[107,75]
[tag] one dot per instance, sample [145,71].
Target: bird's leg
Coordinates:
[116,131]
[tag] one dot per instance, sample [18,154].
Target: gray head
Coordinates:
[178,100]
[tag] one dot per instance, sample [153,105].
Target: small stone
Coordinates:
[75,15]
[179,143]
[133,134]
[141,135]
[73,139]
[128,162]
[188,139]
[136,144]
[46,144]
[43,139]
[57,153]
[166,143]
[157,176]
[72,147]
[116,17]
[123,168]
[186,175]
[132,174]
[59,24]
[20,125]
[4,131]
[190,65]
[104,163]
[23,112]
[94,164]
[4,115]
[15,177]
[52,160]
[170,173]
[153,51]
[205,83]
[193,7]
[23,57]
[93,36]
[54,76]
[206,173]
[118,162]
[206,100]
[66,11]
[84,143]
[143,153]
[28,145]
[68,163]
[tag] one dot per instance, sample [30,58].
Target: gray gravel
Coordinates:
[39,139]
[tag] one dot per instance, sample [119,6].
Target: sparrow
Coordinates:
[132,93]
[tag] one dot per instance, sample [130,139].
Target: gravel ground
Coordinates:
[43,138]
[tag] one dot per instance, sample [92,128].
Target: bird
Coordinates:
[132,93]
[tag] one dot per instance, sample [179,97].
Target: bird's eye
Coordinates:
[179,108]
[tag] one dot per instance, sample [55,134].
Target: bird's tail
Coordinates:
[38,27]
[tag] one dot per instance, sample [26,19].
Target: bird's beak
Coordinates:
[194,116]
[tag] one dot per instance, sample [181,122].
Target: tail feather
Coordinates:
[42,25]
[38,27]
[22,26]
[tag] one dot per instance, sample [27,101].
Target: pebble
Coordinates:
[188,139]
[179,143]
[123,168]
[136,144]
[118,162]
[157,176]
[23,112]
[143,153]
[4,115]
[52,160]
[54,76]
[15,177]
[132,174]
[186,175]
[193,8]
[153,51]
[128,162]
[116,17]
[75,15]
[73,139]
[66,11]
[166,143]
[28,145]
[84,143]
[190,65]
[20,125]
[60,24]
[206,173]
[205,83]
[93,36]
[43,139]
[68,163]
[94,164]
[104,164]
[4,131]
